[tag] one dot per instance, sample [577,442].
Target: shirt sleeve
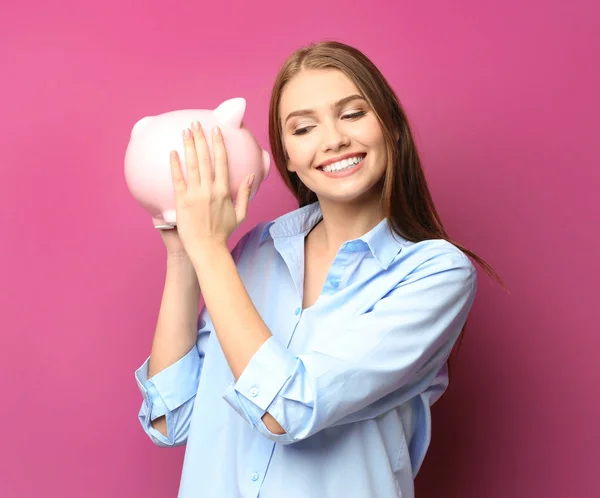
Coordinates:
[172,391]
[377,361]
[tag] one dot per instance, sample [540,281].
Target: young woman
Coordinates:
[325,334]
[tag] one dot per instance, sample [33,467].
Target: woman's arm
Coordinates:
[239,327]
[380,360]
[177,324]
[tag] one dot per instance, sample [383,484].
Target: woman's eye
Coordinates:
[350,116]
[302,131]
[354,115]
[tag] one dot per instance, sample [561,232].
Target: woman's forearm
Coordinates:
[177,324]
[239,327]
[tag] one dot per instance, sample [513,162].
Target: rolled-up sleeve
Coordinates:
[375,362]
[170,393]
[261,381]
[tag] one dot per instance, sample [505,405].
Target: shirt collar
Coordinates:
[380,240]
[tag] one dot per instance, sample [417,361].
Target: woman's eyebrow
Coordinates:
[339,103]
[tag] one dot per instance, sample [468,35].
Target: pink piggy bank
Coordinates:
[147,166]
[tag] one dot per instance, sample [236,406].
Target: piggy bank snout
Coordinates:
[266,160]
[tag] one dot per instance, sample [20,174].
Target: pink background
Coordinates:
[504,103]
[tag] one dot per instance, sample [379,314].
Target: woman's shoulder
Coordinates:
[432,255]
[433,248]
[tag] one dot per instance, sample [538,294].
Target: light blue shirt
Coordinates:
[350,379]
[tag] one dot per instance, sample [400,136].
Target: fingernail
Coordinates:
[187,133]
[196,125]
[216,130]
[251,180]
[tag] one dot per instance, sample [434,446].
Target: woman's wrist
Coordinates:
[180,266]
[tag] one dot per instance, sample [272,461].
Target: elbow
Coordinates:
[163,440]
[160,425]
[273,431]
[272,425]
[162,433]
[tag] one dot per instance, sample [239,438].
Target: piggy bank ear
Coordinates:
[231,112]
[140,125]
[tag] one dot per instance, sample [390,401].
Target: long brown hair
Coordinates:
[406,199]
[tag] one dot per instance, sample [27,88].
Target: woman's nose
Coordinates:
[334,138]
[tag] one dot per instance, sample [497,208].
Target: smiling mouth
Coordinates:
[342,165]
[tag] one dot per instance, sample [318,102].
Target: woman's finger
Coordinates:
[242,199]
[221,164]
[202,154]
[191,160]
[179,185]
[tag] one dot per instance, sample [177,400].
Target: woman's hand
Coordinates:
[205,212]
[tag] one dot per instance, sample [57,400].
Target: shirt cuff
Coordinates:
[260,382]
[171,387]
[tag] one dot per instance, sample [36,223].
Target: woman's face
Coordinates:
[333,139]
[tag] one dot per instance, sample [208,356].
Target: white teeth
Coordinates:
[341,165]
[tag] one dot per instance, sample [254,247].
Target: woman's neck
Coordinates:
[343,222]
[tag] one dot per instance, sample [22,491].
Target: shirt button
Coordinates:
[254,476]
[253,391]
[335,283]
[298,310]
